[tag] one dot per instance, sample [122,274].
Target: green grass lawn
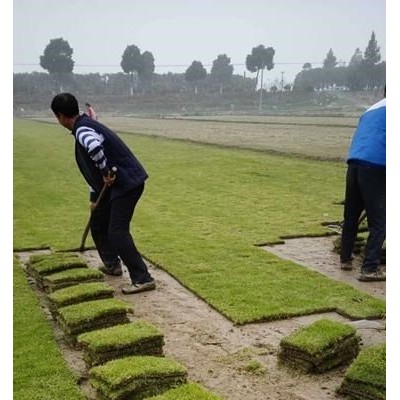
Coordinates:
[40,371]
[203,211]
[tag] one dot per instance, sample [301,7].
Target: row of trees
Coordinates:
[57,61]
[364,71]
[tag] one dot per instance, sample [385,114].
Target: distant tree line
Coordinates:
[365,71]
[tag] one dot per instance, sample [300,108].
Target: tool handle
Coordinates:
[113,171]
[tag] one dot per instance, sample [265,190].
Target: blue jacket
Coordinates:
[368,145]
[98,149]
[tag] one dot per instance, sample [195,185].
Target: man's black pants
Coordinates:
[365,189]
[110,231]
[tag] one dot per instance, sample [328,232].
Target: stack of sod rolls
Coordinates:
[78,294]
[188,391]
[320,346]
[91,315]
[46,264]
[136,377]
[365,379]
[135,338]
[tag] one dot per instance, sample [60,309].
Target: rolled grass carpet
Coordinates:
[136,377]
[135,338]
[365,379]
[320,346]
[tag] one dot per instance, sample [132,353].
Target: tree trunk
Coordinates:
[261,90]
[131,84]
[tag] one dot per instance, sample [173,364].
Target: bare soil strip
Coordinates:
[235,362]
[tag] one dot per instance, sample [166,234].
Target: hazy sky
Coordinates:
[178,32]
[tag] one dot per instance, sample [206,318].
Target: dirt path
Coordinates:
[235,362]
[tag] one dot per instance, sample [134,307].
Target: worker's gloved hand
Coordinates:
[109,176]
[91,205]
[109,179]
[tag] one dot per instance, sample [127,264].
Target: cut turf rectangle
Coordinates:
[320,346]
[188,391]
[79,294]
[135,338]
[365,379]
[71,277]
[136,377]
[88,316]
[45,264]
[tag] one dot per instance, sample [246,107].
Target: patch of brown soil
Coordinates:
[235,362]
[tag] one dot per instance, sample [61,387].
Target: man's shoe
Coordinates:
[346,266]
[139,287]
[372,276]
[116,271]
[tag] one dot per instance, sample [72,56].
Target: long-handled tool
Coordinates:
[95,205]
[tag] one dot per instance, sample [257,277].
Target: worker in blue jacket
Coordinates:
[366,189]
[97,150]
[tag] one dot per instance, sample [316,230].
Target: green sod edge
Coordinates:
[76,314]
[315,338]
[188,391]
[39,370]
[119,336]
[80,293]
[375,310]
[124,371]
[369,368]
[72,274]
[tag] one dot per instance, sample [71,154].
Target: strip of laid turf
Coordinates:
[203,210]
[40,371]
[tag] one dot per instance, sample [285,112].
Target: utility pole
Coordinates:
[280,94]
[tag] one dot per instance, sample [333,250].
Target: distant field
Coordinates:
[316,137]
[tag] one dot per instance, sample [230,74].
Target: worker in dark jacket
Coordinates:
[366,189]
[97,150]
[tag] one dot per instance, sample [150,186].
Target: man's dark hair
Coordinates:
[66,104]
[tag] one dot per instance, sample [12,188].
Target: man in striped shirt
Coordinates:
[97,150]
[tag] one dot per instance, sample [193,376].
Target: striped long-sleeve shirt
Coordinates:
[92,141]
